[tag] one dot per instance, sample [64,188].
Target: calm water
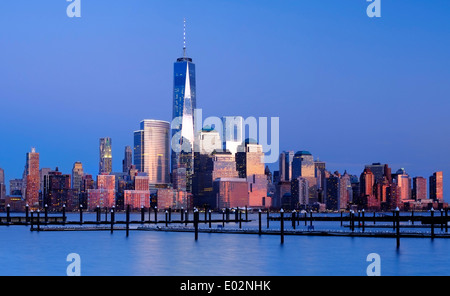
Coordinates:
[161,253]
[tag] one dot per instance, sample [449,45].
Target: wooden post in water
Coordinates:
[442,219]
[351,220]
[432,223]
[8,213]
[196,224]
[363,220]
[64,214]
[187,217]
[374,218]
[306,220]
[127,217]
[27,209]
[246,213]
[293,219]
[81,214]
[142,214]
[112,220]
[240,219]
[223,218]
[412,217]
[393,219]
[31,221]
[156,215]
[170,214]
[97,217]
[209,218]
[342,218]
[282,226]
[311,218]
[260,222]
[46,213]
[397,213]
[267,218]
[38,221]
[167,218]
[181,214]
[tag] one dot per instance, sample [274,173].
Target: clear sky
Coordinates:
[350,89]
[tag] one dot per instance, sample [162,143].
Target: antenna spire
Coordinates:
[184,39]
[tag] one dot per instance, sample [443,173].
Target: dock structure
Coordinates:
[351,224]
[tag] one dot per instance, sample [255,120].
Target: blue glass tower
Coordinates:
[184,104]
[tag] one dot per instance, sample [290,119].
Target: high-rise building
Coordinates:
[140,195]
[151,150]
[183,134]
[300,193]
[15,187]
[88,183]
[250,165]
[367,198]
[104,195]
[303,165]
[231,192]
[127,160]
[58,192]
[77,176]
[419,188]
[208,141]
[105,166]
[403,181]
[332,194]
[345,191]
[32,179]
[285,165]
[437,186]
[233,133]
[208,168]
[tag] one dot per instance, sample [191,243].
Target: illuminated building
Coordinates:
[437,186]
[77,176]
[151,150]
[285,165]
[140,196]
[231,192]
[250,165]
[233,133]
[403,181]
[32,179]
[184,104]
[419,188]
[104,195]
[303,165]
[105,156]
[127,160]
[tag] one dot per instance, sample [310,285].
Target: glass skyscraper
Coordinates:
[151,150]
[183,134]
[105,166]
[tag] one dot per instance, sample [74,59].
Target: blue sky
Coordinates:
[351,89]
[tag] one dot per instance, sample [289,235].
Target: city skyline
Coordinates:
[384,152]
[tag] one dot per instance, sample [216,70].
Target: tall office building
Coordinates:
[419,188]
[333,192]
[345,191]
[250,165]
[233,133]
[285,165]
[140,195]
[127,160]
[183,134]
[32,179]
[303,165]
[105,156]
[77,176]
[208,141]
[151,150]
[403,181]
[437,186]
[367,198]
[104,195]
